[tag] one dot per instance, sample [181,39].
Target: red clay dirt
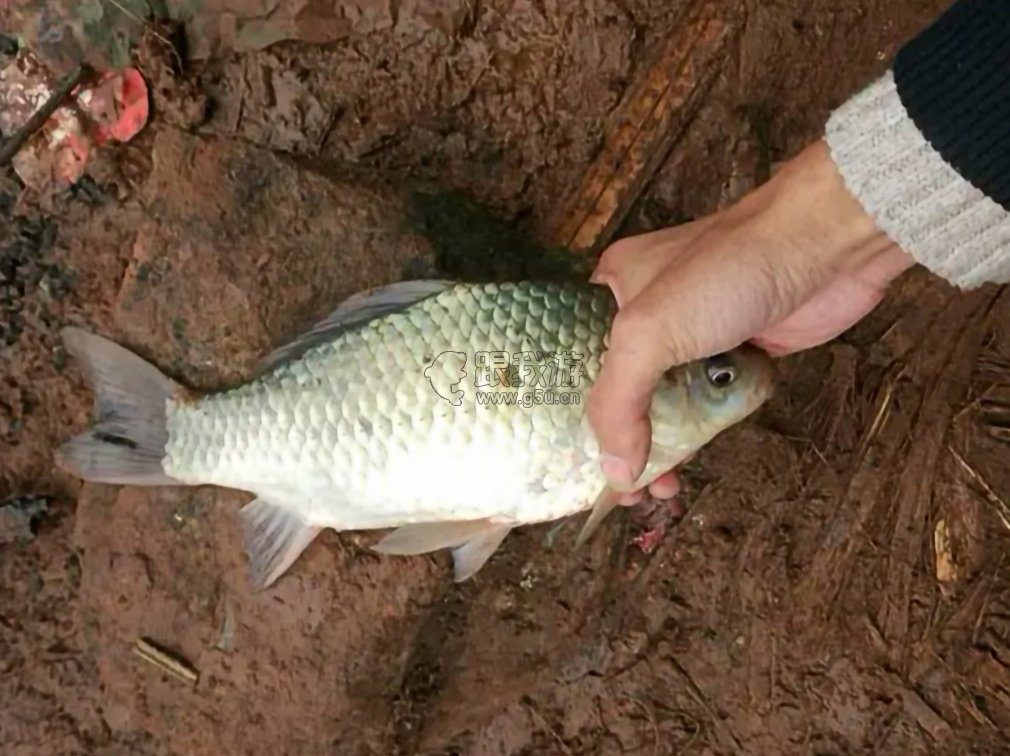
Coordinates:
[838,584]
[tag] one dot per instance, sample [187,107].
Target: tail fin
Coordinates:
[127,443]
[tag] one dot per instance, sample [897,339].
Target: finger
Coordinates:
[628,265]
[665,486]
[629,272]
[631,499]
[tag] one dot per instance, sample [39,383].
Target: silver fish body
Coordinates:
[450,411]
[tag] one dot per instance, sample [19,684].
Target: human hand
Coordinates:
[792,265]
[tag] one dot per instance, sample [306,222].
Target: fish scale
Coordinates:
[375,419]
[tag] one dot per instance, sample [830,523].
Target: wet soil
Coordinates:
[838,584]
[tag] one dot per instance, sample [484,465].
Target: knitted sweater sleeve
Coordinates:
[925,149]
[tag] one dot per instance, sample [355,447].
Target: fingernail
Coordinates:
[617,470]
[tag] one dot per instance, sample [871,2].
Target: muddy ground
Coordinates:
[839,584]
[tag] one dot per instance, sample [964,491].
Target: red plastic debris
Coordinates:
[112,109]
[650,539]
[118,105]
[653,520]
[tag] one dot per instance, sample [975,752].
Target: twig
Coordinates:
[973,710]
[43,114]
[165,661]
[150,27]
[883,410]
[980,618]
[924,715]
[722,731]
[1002,510]
[534,712]
[652,721]
[772,683]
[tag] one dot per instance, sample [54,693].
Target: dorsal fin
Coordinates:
[353,312]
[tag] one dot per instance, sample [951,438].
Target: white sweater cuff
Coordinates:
[941,220]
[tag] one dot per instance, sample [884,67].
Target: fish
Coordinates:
[446,412]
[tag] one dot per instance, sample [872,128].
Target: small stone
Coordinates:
[19,515]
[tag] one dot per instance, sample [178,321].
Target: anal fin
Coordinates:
[423,537]
[472,542]
[273,538]
[471,556]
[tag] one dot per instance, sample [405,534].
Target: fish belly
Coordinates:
[366,462]
[479,467]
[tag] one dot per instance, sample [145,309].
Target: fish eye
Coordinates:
[720,372]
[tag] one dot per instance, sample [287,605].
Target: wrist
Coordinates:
[835,230]
[813,187]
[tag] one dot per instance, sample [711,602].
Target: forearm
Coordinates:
[926,148]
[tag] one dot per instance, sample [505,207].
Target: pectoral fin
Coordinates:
[603,505]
